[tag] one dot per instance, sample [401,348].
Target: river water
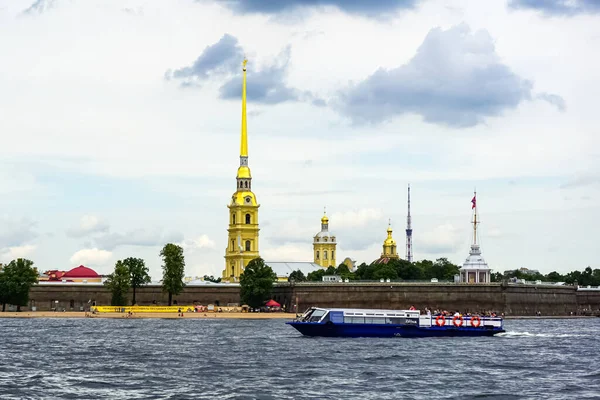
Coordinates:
[266,359]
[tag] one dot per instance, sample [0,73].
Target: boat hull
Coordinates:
[388,330]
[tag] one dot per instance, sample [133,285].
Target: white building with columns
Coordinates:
[475,269]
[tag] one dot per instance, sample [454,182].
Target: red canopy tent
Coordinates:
[272,303]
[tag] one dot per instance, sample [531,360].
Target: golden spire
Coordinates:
[390,240]
[243,170]
[324,220]
[244,144]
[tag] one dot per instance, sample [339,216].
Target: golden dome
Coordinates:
[244,172]
[245,198]
[390,240]
[324,220]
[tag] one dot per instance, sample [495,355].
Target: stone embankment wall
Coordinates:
[76,297]
[510,299]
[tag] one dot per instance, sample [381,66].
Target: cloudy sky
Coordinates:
[120,125]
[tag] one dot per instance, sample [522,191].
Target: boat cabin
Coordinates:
[394,317]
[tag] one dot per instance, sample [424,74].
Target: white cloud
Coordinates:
[200,242]
[356,218]
[91,257]
[15,232]
[17,252]
[302,157]
[88,224]
[138,237]
[288,252]
[443,239]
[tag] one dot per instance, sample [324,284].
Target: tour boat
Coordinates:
[345,322]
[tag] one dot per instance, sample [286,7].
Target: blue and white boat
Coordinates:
[344,322]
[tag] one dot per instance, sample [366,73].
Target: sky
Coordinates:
[120,126]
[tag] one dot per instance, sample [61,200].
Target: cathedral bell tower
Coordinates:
[242,240]
[324,245]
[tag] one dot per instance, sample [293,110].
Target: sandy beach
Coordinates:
[211,315]
[223,315]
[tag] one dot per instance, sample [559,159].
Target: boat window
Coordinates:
[316,315]
[357,320]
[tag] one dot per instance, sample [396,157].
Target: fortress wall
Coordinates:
[588,299]
[510,299]
[44,296]
[549,300]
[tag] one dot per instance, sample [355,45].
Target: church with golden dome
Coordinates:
[243,229]
[242,240]
[324,245]
[390,251]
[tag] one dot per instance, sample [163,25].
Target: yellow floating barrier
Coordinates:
[142,309]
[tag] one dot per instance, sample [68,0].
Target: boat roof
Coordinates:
[366,310]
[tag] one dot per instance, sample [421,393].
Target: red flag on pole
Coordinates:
[473,200]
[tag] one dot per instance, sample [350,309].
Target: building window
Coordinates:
[246,184]
[325,239]
[247,245]
[324,254]
[232,245]
[241,184]
[317,254]
[332,254]
[232,270]
[248,218]
[233,219]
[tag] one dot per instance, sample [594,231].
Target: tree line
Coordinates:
[394,269]
[586,277]
[131,273]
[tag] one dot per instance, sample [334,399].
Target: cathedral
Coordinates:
[242,243]
[242,238]
[390,251]
[324,245]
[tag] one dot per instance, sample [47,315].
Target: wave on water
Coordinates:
[515,334]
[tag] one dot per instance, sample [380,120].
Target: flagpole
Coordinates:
[475,217]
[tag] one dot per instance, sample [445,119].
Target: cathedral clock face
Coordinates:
[248,199]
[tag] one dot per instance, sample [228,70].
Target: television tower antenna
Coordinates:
[409,251]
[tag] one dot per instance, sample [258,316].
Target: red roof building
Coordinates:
[81,272]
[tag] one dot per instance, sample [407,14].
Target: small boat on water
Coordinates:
[345,322]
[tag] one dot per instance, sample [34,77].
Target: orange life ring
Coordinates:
[440,320]
[457,318]
[475,321]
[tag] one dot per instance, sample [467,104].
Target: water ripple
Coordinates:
[266,359]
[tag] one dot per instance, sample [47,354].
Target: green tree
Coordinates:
[297,276]
[3,290]
[317,275]
[256,283]
[138,274]
[496,277]
[445,270]
[385,271]
[554,277]
[17,279]
[119,283]
[173,270]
